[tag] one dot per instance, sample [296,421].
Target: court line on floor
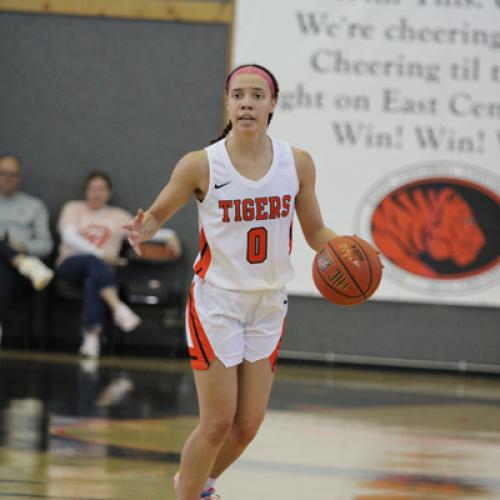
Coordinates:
[358,474]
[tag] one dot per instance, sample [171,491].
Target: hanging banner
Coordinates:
[398,102]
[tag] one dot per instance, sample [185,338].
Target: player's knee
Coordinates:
[217,430]
[246,429]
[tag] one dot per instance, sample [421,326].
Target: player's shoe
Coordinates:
[209,494]
[205,494]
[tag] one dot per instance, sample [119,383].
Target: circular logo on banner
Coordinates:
[436,225]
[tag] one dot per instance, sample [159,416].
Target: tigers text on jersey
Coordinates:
[245,225]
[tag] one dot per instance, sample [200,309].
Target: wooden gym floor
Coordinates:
[73,429]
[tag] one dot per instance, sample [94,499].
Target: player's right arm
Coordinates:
[190,176]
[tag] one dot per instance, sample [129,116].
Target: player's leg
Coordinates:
[214,335]
[255,381]
[217,391]
[263,333]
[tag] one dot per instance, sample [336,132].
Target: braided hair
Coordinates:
[229,125]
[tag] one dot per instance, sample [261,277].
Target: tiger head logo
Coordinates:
[428,229]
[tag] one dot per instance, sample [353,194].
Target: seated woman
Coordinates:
[91,238]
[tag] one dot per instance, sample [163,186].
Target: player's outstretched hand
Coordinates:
[135,230]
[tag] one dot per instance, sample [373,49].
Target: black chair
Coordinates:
[25,324]
[155,286]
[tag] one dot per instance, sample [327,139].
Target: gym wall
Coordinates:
[128,97]
[131,97]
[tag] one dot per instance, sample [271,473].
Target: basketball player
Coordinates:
[247,186]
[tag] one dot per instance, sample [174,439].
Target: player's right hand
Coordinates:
[135,230]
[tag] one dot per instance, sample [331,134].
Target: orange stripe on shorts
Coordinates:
[201,353]
[273,359]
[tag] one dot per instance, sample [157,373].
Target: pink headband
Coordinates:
[253,70]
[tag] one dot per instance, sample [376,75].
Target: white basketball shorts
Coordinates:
[233,326]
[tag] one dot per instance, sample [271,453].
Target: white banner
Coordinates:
[398,102]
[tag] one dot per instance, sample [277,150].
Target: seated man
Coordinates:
[24,236]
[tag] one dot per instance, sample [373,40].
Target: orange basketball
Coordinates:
[347,270]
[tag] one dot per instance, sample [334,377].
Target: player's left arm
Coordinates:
[306,202]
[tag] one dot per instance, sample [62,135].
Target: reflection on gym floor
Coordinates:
[77,429]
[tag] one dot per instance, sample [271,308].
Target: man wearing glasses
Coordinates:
[24,236]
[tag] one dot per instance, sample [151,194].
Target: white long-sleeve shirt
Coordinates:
[85,230]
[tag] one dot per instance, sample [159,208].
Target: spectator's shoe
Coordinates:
[91,346]
[36,271]
[208,494]
[125,318]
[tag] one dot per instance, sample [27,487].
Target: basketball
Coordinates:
[347,270]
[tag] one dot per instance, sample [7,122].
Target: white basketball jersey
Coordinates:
[245,225]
